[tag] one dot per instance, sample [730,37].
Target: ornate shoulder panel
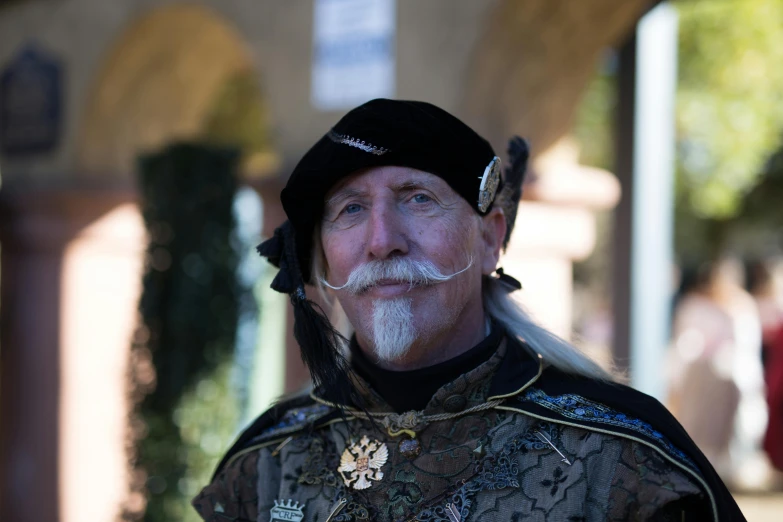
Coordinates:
[293,420]
[583,410]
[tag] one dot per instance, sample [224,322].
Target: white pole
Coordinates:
[653,200]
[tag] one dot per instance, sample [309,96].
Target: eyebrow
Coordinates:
[341,195]
[413,184]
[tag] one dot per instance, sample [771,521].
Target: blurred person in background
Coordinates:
[765,286]
[448,403]
[773,440]
[717,385]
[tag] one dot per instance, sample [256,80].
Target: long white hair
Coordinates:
[555,351]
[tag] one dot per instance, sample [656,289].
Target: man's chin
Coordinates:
[390,354]
[393,331]
[394,347]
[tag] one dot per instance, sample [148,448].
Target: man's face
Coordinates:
[388,213]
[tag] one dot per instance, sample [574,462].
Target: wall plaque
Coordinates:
[31,101]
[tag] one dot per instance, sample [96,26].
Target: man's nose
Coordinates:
[386,231]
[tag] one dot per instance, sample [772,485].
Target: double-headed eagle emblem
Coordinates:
[361,463]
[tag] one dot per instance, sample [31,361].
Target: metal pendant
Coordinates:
[361,463]
[409,448]
[288,511]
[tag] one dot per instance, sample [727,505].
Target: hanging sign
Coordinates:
[30,103]
[353,52]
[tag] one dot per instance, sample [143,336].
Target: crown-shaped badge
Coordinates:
[288,510]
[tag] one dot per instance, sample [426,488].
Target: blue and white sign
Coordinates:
[30,103]
[353,52]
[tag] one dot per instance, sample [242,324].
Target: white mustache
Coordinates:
[404,270]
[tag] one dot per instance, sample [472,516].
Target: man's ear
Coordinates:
[494,230]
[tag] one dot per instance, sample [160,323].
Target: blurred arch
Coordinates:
[542,50]
[160,83]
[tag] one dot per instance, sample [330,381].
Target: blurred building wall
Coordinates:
[140,73]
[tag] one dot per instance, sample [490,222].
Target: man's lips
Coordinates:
[392,282]
[391,287]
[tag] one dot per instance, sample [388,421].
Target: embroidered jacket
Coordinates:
[552,448]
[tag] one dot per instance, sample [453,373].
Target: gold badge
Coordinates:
[489,184]
[362,461]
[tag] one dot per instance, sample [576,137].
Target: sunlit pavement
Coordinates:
[761,508]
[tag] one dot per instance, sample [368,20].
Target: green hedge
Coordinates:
[185,411]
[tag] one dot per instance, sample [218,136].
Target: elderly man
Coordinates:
[448,403]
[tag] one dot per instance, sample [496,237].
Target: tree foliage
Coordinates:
[729,115]
[729,100]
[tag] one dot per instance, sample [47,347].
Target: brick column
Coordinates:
[71,266]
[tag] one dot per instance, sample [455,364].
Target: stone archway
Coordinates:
[80,251]
[527,75]
[178,73]
[542,50]
[158,84]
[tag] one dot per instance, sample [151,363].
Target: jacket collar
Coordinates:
[518,370]
[508,372]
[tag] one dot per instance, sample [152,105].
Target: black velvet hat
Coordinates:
[378,133]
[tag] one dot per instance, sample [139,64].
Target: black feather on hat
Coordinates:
[514,177]
[379,133]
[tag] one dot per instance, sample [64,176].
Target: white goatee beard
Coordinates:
[393,331]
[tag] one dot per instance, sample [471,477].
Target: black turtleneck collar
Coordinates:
[413,389]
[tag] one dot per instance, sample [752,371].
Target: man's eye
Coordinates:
[353,208]
[421,198]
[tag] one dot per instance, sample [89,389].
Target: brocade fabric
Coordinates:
[489,465]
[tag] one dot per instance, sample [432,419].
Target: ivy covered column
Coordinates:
[185,409]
